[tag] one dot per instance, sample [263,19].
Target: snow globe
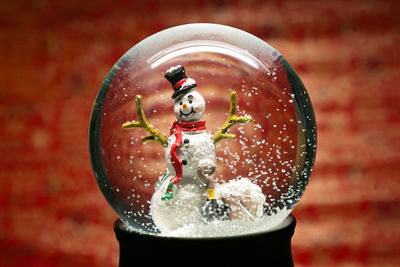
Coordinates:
[202,135]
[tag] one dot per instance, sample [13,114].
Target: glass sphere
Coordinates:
[260,174]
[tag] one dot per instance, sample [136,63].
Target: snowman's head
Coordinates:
[189,106]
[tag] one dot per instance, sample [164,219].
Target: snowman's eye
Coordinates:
[190,101]
[180,103]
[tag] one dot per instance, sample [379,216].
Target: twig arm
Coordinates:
[232,120]
[156,136]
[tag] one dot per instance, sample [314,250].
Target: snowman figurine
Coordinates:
[185,194]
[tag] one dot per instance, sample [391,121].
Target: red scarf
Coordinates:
[177,128]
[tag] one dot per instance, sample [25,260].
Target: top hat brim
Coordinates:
[183,90]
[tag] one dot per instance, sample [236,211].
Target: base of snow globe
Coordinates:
[272,247]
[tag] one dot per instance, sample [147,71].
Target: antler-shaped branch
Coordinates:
[156,136]
[232,120]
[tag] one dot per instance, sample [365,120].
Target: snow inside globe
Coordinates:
[202,130]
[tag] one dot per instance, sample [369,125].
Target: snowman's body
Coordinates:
[181,195]
[196,146]
[189,193]
[187,146]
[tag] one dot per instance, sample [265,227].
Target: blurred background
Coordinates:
[54,56]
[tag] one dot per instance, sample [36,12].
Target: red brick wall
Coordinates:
[55,54]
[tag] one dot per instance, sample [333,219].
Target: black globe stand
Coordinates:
[261,249]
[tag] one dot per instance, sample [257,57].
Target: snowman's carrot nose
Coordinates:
[184,107]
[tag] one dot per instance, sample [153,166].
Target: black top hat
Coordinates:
[180,83]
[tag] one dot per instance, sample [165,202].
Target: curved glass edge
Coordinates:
[199,31]
[95,150]
[302,98]
[95,136]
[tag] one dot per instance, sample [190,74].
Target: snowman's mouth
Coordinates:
[186,114]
